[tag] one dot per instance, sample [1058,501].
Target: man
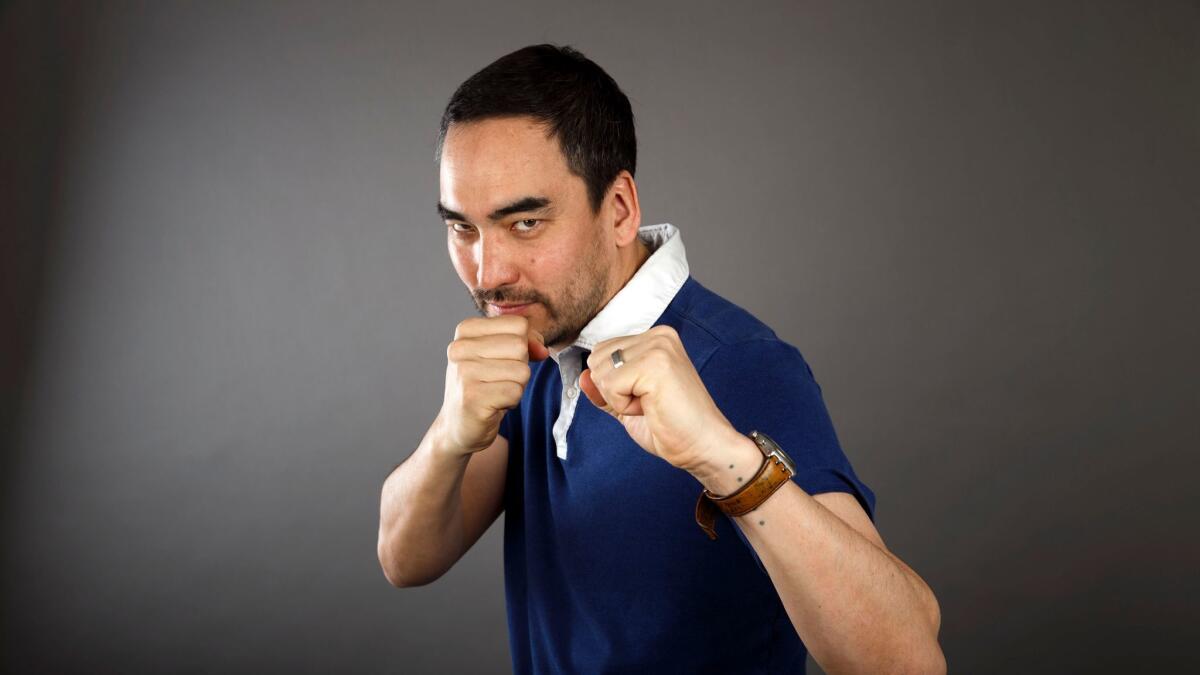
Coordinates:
[645,530]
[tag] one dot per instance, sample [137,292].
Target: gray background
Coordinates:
[227,299]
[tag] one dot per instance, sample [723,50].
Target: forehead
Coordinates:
[487,162]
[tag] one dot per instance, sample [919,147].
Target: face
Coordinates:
[520,228]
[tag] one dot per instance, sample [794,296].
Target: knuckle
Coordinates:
[466,369]
[658,357]
[512,323]
[518,342]
[464,326]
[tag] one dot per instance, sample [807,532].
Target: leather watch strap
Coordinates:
[771,475]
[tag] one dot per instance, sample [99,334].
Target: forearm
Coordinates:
[857,608]
[420,514]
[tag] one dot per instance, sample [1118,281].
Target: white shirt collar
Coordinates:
[644,298]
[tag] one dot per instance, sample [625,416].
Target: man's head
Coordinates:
[537,154]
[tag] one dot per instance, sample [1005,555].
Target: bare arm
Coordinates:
[856,606]
[435,506]
[440,500]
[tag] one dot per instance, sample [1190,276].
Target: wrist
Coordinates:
[733,460]
[443,446]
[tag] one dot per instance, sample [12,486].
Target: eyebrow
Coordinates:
[521,205]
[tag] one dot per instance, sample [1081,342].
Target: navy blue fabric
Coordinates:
[605,568]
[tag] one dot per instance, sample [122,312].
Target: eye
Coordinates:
[454,228]
[528,220]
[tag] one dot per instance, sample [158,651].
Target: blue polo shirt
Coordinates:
[606,570]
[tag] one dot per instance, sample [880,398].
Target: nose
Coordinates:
[495,263]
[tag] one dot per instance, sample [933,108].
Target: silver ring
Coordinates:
[617,359]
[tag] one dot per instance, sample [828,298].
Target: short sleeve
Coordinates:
[766,385]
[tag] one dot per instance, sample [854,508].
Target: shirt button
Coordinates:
[571,391]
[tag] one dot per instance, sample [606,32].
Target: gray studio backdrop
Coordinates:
[228,299]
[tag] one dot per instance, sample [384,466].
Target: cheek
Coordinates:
[462,262]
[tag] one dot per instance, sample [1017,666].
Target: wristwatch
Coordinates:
[777,468]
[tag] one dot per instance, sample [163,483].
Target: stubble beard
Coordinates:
[582,298]
[582,301]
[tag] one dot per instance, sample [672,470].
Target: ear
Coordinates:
[626,213]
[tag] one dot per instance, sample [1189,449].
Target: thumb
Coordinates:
[537,346]
[593,393]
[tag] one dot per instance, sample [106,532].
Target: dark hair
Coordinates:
[565,90]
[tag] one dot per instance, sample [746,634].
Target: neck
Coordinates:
[631,261]
[641,254]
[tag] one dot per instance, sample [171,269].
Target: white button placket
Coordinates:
[569,367]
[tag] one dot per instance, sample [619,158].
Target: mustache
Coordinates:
[503,298]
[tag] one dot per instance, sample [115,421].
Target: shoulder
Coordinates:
[713,328]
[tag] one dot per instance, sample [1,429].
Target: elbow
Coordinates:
[397,577]
[394,572]
[387,563]
[935,616]
[934,660]
[934,663]
[393,575]
[400,582]
[925,659]
[941,667]
[933,611]
[921,652]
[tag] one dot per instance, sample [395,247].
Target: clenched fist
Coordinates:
[486,372]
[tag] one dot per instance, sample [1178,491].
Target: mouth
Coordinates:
[510,309]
